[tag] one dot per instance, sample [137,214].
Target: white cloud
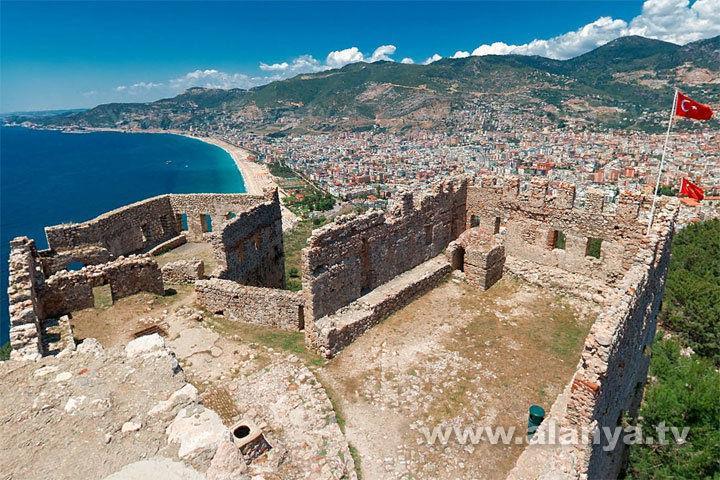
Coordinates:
[139,87]
[212,78]
[675,21]
[302,64]
[383,52]
[340,58]
[461,54]
[434,58]
[407,60]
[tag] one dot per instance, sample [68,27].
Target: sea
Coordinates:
[50,177]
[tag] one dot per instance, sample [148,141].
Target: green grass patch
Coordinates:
[356,460]
[290,342]
[5,351]
[294,241]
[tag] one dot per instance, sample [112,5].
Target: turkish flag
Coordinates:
[687,107]
[691,190]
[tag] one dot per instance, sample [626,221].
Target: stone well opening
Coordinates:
[241,431]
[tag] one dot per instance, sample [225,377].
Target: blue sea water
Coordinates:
[49,177]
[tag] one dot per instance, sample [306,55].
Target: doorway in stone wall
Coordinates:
[458,259]
[102,296]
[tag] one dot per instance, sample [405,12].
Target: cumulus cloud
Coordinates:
[676,21]
[303,63]
[383,52]
[340,58]
[461,54]
[334,59]
[212,78]
[407,60]
[434,58]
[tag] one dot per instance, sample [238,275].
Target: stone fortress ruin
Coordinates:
[360,269]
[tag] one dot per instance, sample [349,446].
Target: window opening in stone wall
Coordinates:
[230,215]
[556,240]
[593,248]
[206,221]
[474,221]
[102,296]
[184,222]
[146,232]
[428,234]
[74,265]
[496,229]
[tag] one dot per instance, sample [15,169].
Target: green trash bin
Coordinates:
[536,415]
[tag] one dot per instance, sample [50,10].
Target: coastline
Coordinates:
[256,177]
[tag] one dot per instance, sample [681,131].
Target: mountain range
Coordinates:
[627,83]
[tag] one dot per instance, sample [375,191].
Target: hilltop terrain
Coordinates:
[626,83]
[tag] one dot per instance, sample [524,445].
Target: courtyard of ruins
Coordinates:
[458,307]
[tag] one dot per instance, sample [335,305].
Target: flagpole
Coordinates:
[662,162]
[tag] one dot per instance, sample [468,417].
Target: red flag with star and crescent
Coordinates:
[691,190]
[689,108]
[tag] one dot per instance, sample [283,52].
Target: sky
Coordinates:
[56,55]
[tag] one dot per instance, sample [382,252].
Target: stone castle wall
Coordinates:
[249,248]
[66,292]
[607,387]
[25,313]
[347,259]
[531,221]
[133,228]
[142,226]
[262,306]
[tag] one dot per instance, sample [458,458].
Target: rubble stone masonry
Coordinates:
[347,259]
[262,306]
[607,387]
[249,248]
[66,291]
[24,308]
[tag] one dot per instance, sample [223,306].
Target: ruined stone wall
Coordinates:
[249,248]
[25,326]
[183,271]
[355,254]
[53,262]
[607,387]
[66,292]
[206,212]
[148,223]
[530,222]
[133,228]
[262,306]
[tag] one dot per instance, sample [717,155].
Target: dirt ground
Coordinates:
[455,356]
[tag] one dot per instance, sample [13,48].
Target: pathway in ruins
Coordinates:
[455,356]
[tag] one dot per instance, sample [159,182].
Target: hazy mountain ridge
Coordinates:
[625,83]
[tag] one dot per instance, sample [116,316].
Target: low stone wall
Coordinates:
[25,325]
[183,271]
[606,390]
[66,292]
[262,306]
[171,244]
[331,334]
[55,261]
